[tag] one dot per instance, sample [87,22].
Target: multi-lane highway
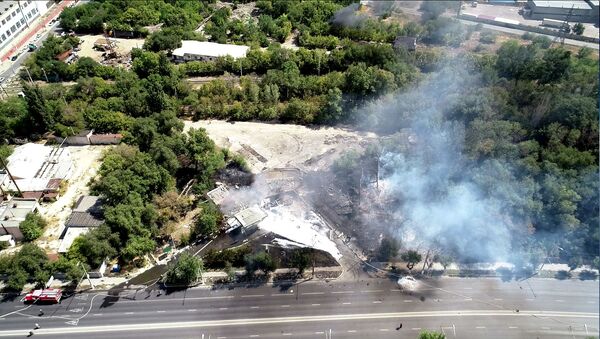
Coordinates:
[462,308]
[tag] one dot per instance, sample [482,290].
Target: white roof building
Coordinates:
[201,50]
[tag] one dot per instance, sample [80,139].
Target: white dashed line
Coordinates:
[97,314]
[313,293]
[512,327]
[591,302]
[408,301]
[192,310]
[286,334]
[254,336]
[342,292]
[498,299]
[468,299]
[384,329]
[467,288]
[416,328]
[253,295]
[351,331]
[376,302]
[282,295]
[480,327]
[346,303]
[529,299]
[161,311]
[129,312]
[254,306]
[221,337]
[285,305]
[559,301]
[319,332]
[545,328]
[371,291]
[316,304]
[223,308]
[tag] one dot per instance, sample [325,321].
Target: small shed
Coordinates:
[408,43]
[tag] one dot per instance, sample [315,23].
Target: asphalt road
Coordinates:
[471,308]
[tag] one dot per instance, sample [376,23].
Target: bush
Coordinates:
[487,37]
[185,271]
[260,261]
[32,227]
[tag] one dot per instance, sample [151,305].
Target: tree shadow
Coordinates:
[9,296]
[588,275]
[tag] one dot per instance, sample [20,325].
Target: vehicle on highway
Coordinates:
[15,57]
[408,283]
[47,295]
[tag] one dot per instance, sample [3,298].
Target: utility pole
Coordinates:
[10,176]
[45,75]
[29,74]
[86,274]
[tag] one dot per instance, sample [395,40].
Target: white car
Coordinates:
[408,283]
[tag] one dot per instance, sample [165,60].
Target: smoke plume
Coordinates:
[441,203]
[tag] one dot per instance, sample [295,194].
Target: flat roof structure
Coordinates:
[210,49]
[218,194]
[250,216]
[70,235]
[562,4]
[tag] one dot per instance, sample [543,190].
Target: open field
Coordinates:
[267,146]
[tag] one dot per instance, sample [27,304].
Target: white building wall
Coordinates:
[15,16]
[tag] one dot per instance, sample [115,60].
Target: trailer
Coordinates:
[554,23]
[47,295]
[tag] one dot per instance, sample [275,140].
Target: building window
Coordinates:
[18,10]
[14,14]
[18,24]
[3,21]
[8,32]
[23,21]
[13,28]
[29,15]
[3,37]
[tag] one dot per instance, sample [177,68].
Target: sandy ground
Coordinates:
[267,146]
[124,46]
[86,160]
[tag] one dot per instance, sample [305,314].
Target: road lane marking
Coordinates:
[221,337]
[371,291]
[161,311]
[278,321]
[416,328]
[253,295]
[281,295]
[529,299]
[316,304]
[223,308]
[97,314]
[480,327]
[468,299]
[384,329]
[313,293]
[192,310]
[342,292]
[545,328]
[254,336]
[286,334]
[254,306]
[346,303]
[591,302]
[285,305]
[351,331]
[559,301]
[513,327]
[129,312]
[173,299]
[320,332]
[498,299]
[376,302]
[408,301]
[467,288]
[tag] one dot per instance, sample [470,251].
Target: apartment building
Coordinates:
[16,15]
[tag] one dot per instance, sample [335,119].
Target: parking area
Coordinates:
[512,13]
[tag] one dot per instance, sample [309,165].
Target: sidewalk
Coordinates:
[36,26]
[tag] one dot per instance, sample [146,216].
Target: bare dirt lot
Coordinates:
[86,161]
[124,46]
[267,146]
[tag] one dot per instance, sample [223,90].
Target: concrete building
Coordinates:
[12,213]
[192,50]
[246,218]
[406,42]
[15,16]
[8,239]
[574,10]
[86,216]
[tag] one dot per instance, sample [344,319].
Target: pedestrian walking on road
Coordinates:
[36,326]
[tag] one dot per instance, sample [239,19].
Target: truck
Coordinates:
[47,295]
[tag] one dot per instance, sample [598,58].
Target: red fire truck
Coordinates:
[48,295]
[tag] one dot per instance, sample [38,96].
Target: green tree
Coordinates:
[301,259]
[208,222]
[260,261]
[32,227]
[578,28]
[431,335]
[388,249]
[137,246]
[185,271]
[411,257]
